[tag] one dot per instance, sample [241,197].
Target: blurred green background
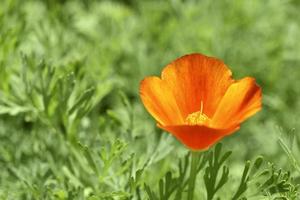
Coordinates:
[72,125]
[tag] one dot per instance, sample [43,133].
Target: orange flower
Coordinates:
[197,100]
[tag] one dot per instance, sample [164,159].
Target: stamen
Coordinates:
[197,118]
[201,107]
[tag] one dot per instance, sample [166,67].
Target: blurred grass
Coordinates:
[109,46]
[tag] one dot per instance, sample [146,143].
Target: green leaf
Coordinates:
[83,99]
[89,157]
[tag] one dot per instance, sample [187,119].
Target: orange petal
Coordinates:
[160,101]
[242,100]
[195,78]
[198,137]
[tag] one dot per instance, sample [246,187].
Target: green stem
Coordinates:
[193,175]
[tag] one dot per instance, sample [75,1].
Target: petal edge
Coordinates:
[198,137]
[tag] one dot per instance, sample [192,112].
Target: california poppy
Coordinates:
[198,102]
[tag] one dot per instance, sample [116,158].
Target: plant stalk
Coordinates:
[193,175]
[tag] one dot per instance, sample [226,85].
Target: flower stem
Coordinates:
[193,175]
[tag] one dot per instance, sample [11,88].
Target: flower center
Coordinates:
[198,118]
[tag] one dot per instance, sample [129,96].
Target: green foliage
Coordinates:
[71,122]
[175,186]
[215,163]
[258,180]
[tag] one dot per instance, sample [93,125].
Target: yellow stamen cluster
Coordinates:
[197,118]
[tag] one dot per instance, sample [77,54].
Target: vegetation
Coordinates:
[72,125]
